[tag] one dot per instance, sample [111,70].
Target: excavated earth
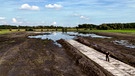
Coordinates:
[22,56]
[120,52]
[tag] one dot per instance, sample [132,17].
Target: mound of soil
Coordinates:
[22,56]
[88,66]
[119,52]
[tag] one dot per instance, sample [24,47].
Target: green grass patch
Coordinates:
[111,31]
[132,31]
[5,31]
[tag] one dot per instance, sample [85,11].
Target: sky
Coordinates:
[66,12]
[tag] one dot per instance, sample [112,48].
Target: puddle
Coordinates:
[124,43]
[58,44]
[59,35]
[86,35]
[69,35]
[53,36]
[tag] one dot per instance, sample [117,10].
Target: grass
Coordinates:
[111,31]
[132,31]
[5,31]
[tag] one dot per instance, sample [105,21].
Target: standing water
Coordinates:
[69,35]
[53,36]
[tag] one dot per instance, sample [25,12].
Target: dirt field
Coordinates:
[22,56]
[119,52]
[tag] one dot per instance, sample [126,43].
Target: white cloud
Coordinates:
[80,16]
[2,18]
[35,8]
[25,6]
[54,23]
[83,17]
[53,6]
[28,7]
[14,20]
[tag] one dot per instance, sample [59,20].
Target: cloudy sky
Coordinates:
[66,12]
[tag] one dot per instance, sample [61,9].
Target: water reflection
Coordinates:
[69,35]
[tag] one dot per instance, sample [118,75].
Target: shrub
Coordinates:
[29,29]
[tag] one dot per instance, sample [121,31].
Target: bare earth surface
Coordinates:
[21,56]
[115,67]
[119,52]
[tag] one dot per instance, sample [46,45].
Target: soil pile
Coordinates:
[88,66]
[22,56]
[119,52]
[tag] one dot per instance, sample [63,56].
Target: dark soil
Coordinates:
[22,56]
[119,52]
[88,66]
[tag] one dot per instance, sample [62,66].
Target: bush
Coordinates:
[29,29]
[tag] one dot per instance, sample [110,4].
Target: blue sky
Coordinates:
[66,12]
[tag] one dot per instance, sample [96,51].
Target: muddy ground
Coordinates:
[119,52]
[22,56]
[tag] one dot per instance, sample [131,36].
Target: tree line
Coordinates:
[29,28]
[105,26]
[108,26]
[25,27]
